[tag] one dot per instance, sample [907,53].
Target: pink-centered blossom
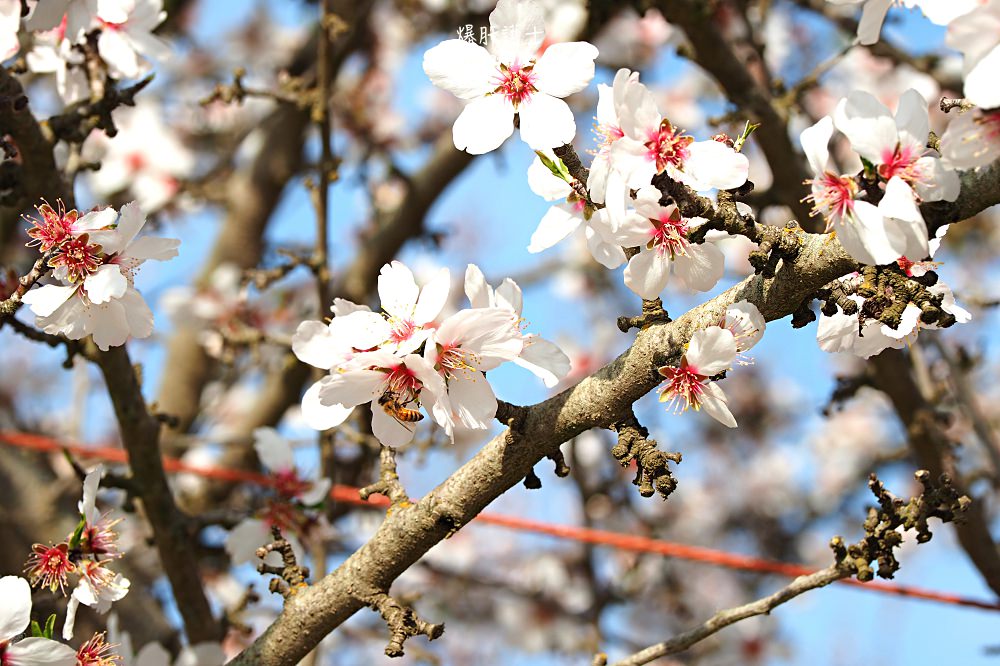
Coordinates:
[896,145]
[712,350]
[15,616]
[870,234]
[661,234]
[608,130]
[465,345]
[396,387]
[97,271]
[511,78]
[652,145]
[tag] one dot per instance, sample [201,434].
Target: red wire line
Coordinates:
[616,540]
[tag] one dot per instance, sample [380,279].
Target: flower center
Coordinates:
[53,228]
[668,146]
[96,652]
[669,236]
[402,329]
[832,197]
[684,389]
[515,82]
[78,257]
[900,162]
[452,360]
[49,566]
[403,383]
[288,484]
[607,134]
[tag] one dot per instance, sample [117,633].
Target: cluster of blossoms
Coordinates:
[896,155]
[15,616]
[289,509]
[124,39]
[85,553]
[95,258]
[410,356]
[711,352]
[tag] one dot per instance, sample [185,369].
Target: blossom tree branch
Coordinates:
[604,398]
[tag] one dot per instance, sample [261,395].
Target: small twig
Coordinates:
[292,576]
[403,622]
[388,483]
[652,473]
[9,305]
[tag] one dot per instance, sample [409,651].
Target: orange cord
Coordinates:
[616,540]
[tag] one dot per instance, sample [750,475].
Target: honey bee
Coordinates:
[390,404]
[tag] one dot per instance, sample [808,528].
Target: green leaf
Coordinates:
[748,129]
[556,166]
[36,630]
[74,541]
[50,626]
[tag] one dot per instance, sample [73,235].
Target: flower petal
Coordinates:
[48,298]
[711,350]
[40,652]
[702,267]
[15,612]
[319,416]
[432,298]
[462,68]
[713,400]
[565,68]
[559,222]
[546,122]
[483,125]
[647,274]
[105,284]
[544,359]
[274,451]
[389,430]
[517,29]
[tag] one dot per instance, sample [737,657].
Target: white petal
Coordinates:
[912,120]
[88,505]
[388,430]
[313,344]
[477,290]
[872,16]
[105,284]
[432,298]
[647,273]
[462,68]
[939,183]
[864,236]
[319,416]
[273,450]
[397,289]
[116,50]
[153,247]
[517,29]
[245,538]
[483,125]
[508,295]
[702,268]
[904,224]
[711,350]
[609,255]
[544,359]
[868,125]
[815,142]
[546,122]
[138,316]
[40,652]
[747,324]
[559,222]
[713,400]
[565,68]
[638,113]
[351,388]
[318,492]
[838,333]
[981,83]
[96,219]
[15,612]
[46,299]
[472,401]
[968,143]
[110,325]
[70,622]
[712,164]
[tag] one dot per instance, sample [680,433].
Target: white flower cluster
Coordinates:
[124,42]
[410,356]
